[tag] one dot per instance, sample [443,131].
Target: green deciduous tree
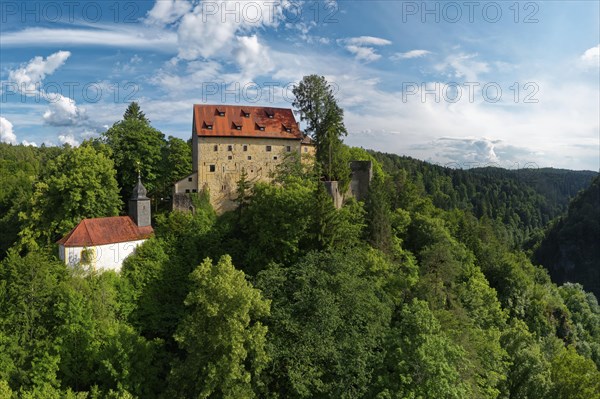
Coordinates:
[221,335]
[421,361]
[136,146]
[574,376]
[78,184]
[176,164]
[330,315]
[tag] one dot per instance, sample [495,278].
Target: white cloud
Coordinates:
[463,66]
[363,53]
[63,111]
[410,54]
[68,139]
[29,143]
[210,28]
[122,36]
[6,132]
[591,57]
[362,47]
[466,152]
[368,41]
[166,12]
[251,57]
[29,75]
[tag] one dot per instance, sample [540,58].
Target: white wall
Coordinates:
[105,257]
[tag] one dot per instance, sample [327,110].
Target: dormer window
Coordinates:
[245,114]
[259,127]
[237,126]
[220,112]
[287,129]
[269,114]
[207,125]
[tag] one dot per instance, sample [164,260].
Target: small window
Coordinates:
[269,114]
[194,191]
[221,113]
[187,190]
[223,187]
[190,179]
[211,168]
[230,157]
[229,148]
[245,148]
[275,158]
[209,127]
[261,128]
[268,148]
[216,148]
[305,149]
[249,158]
[246,114]
[238,127]
[288,148]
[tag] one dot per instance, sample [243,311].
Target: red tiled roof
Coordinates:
[281,124]
[102,231]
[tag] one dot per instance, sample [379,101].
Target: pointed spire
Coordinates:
[139,191]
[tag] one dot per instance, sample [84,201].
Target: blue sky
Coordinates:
[470,83]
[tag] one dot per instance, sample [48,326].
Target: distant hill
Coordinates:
[570,249]
[524,200]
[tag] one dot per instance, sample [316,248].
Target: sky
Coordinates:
[462,84]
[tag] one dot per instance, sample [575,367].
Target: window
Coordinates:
[246,114]
[238,127]
[209,127]
[230,157]
[269,114]
[187,190]
[223,187]
[268,148]
[245,148]
[216,148]
[305,149]
[275,158]
[190,179]
[221,113]
[229,148]
[288,148]
[249,158]
[211,168]
[194,191]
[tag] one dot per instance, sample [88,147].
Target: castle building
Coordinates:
[104,243]
[230,139]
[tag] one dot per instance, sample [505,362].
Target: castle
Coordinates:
[229,139]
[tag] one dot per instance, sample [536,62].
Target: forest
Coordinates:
[435,286]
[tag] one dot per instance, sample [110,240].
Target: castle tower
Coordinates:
[139,205]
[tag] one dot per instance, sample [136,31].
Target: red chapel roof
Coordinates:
[102,231]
